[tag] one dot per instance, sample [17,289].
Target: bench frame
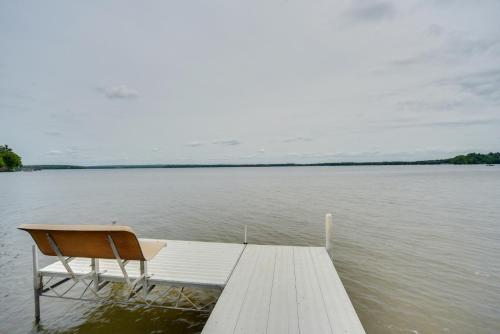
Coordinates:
[94,283]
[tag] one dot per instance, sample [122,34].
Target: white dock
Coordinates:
[184,263]
[265,289]
[283,289]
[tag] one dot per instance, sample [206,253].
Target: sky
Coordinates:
[130,82]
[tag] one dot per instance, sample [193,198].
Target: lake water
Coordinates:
[417,247]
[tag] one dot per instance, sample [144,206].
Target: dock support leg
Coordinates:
[94,265]
[329,233]
[37,284]
[144,273]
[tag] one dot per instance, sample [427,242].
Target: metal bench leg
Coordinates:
[65,262]
[37,284]
[94,265]
[143,271]
[144,275]
[120,262]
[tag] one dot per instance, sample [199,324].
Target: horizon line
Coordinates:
[452,160]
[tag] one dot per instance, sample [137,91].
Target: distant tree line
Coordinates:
[9,160]
[476,158]
[469,159]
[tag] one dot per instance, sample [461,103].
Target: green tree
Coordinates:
[5,148]
[9,160]
[476,158]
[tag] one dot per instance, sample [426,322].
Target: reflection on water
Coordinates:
[417,247]
[107,318]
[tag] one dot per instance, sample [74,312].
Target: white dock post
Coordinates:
[246,230]
[36,284]
[329,233]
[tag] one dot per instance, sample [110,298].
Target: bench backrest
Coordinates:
[89,241]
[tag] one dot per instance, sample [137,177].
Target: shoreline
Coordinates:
[489,159]
[31,168]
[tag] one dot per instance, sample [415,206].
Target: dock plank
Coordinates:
[311,309]
[234,293]
[283,316]
[255,307]
[284,290]
[180,262]
[341,313]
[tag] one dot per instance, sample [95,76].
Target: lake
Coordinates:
[417,247]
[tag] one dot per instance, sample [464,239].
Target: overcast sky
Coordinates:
[105,82]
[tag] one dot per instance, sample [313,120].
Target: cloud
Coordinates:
[227,142]
[456,48]
[297,139]
[426,105]
[449,124]
[484,84]
[468,47]
[118,92]
[253,156]
[434,30]
[370,11]
[52,133]
[303,155]
[194,144]
[413,60]
[10,107]
[69,151]
[261,151]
